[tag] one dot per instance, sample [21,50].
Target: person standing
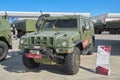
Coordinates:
[14,31]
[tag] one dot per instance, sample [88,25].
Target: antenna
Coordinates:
[6,15]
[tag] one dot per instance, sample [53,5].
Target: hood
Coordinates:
[54,34]
[51,38]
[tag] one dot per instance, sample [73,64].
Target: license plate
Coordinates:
[38,56]
[34,54]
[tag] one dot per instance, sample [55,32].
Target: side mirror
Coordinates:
[87,27]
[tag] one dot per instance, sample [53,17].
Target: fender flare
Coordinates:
[78,43]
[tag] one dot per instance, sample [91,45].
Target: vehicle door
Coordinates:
[86,35]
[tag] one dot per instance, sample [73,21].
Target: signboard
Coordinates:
[103,60]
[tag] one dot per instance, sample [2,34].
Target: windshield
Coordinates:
[66,23]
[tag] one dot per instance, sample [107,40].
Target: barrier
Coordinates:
[103,60]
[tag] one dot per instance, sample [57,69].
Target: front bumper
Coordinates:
[57,50]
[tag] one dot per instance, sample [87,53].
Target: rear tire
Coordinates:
[72,62]
[111,31]
[29,62]
[97,32]
[3,50]
[118,31]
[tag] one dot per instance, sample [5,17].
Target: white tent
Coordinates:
[35,15]
[106,17]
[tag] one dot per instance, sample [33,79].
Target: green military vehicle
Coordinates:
[99,27]
[59,40]
[5,38]
[24,26]
[113,27]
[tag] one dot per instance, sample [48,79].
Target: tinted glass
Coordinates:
[69,23]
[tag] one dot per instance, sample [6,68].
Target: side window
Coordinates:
[83,25]
[46,25]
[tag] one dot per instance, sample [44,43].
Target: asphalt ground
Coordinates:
[13,69]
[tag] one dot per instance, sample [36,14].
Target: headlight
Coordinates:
[23,41]
[65,43]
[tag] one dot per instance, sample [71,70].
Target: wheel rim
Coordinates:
[1,51]
[76,61]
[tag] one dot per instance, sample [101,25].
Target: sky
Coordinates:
[95,7]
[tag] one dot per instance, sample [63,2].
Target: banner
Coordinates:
[103,60]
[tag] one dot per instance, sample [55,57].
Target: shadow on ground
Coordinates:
[14,62]
[88,69]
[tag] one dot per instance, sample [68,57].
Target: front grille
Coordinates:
[42,40]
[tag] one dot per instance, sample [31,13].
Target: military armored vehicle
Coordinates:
[113,27]
[58,40]
[99,27]
[5,38]
[24,26]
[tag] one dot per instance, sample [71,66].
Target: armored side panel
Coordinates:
[5,32]
[113,24]
[5,38]
[30,25]
[25,25]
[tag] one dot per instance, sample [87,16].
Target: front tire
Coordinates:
[29,62]
[3,50]
[90,52]
[72,62]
